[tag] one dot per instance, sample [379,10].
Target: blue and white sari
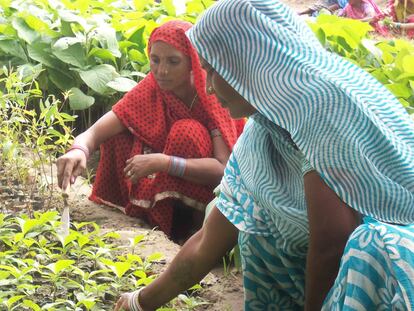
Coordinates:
[318,112]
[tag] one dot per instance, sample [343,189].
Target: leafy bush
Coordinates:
[390,61]
[41,270]
[30,138]
[96,49]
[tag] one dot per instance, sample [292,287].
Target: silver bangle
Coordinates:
[177,166]
[133,302]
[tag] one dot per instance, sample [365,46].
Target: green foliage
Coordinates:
[41,270]
[390,61]
[96,49]
[33,130]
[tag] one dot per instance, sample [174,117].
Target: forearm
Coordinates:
[407,26]
[206,171]
[195,259]
[87,140]
[187,269]
[106,127]
[331,222]
[321,270]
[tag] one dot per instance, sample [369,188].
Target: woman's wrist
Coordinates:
[176,166]
[84,149]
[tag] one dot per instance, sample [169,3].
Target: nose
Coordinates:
[162,69]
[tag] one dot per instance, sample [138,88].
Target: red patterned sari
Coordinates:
[159,122]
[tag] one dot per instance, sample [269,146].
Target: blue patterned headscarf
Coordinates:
[349,127]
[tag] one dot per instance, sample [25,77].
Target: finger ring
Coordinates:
[129,173]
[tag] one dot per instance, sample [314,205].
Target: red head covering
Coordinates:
[148,111]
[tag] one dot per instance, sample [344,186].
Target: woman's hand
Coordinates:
[70,166]
[123,303]
[145,164]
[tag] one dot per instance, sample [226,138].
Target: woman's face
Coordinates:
[170,67]
[228,97]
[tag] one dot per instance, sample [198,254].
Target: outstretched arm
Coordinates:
[72,164]
[195,259]
[331,222]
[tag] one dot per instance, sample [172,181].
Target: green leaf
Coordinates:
[154,257]
[29,72]
[137,56]
[24,31]
[169,6]
[69,16]
[11,301]
[63,80]
[370,45]
[65,42]
[399,90]
[60,265]
[40,26]
[122,84]
[107,38]
[120,268]
[103,54]
[141,4]
[408,63]
[12,47]
[31,304]
[78,100]
[98,77]
[41,52]
[74,55]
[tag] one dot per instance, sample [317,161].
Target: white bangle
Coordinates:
[133,303]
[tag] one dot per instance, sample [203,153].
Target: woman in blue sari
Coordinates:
[321,183]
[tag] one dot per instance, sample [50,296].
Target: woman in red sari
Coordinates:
[402,13]
[365,11]
[164,144]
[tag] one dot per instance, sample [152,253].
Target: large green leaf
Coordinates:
[98,77]
[74,55]
[122,84]
[65,42]
[103,54]
[42,53]
[40,26]
[79,100]
[141,4]
[14,48]
[24,31]
[408,64]
[169,7]
[71,17]
[63,80]
[399,90]
[107,38]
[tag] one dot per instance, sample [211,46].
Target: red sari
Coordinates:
[402,11]
[159,122]
[368,8]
